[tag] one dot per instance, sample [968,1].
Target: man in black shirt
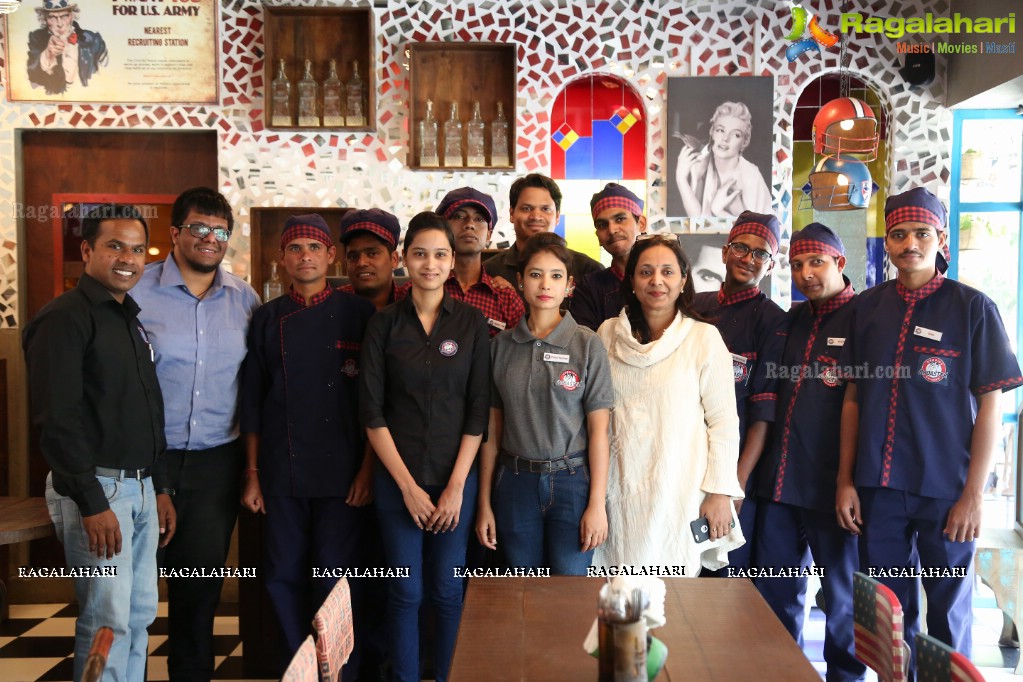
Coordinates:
[97,403]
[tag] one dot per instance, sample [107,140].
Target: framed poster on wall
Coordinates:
[114,51]
[720,133]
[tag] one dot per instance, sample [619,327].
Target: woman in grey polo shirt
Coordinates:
[547,496]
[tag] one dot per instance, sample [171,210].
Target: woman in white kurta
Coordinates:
[675,432]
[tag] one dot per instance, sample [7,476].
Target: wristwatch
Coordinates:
[166,491]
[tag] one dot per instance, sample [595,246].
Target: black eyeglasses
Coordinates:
[199,231]
[740,250]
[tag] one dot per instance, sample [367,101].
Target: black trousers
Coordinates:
[208,489]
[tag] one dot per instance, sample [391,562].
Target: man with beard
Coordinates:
[197,315]
[472,215]
[618,220]
[535,202]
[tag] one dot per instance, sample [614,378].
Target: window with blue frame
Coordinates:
[986,219]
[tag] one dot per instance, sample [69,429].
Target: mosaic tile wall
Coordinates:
[643,41]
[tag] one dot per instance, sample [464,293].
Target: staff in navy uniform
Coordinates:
[747,320]
[617,220]
[307,466]
[796,524]
[919,433]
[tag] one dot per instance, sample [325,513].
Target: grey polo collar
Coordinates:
[560,337]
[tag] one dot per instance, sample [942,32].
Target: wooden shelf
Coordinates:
[463,73]
[265,237]
[319,34]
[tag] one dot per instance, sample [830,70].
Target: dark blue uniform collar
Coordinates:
[838,300]
[316,300]
[737,297]
[923,292]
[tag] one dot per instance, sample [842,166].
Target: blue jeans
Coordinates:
[538,517]
[126,601]
[431,559]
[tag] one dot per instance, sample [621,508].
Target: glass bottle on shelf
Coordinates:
[475,139]
[273,287]
[307,98]
[356,117]
[332,117]
[499,139]
[427,134]
[453,139]
[281,96]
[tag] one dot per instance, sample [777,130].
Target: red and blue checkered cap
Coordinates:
[761,225]
[309,226]
[373,220]
[463,196]
[816,238]
[615,196]
[916,205]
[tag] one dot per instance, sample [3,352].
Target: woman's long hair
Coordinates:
[684,302]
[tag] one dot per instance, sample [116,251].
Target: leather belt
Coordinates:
[542,466]
[123,473]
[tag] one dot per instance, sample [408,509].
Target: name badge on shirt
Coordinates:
[927,333]
[555,357]
[497,324]
[838,341]
[740,359]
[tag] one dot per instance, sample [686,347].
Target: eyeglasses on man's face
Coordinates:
[740,250]
[199,231]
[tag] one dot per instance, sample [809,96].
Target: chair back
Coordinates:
[98,653]
[937,661]
[335,634]
[303,667]
[877,616]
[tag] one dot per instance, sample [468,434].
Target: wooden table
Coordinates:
[21,519]
[533,629]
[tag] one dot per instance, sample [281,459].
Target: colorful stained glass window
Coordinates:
[598,135]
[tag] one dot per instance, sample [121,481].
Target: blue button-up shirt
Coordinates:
[199,346]
[919,359]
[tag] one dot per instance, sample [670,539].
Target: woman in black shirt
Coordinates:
[425,397]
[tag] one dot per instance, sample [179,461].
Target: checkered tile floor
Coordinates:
[36,643]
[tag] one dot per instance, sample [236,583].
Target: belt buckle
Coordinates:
[537,466]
